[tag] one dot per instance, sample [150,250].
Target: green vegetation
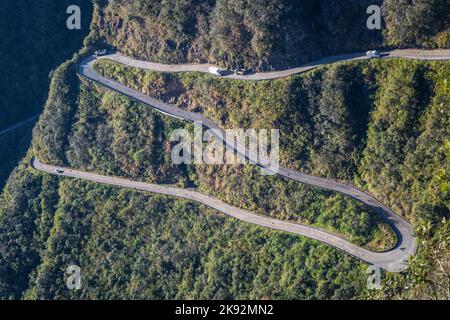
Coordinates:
[414,176]
[27,211]
[406,159]
[420,181]
[68,220]
[417,23]
[99,119]
[262,35]
[382,125]
[386,122]
[427,276]
[104,140]
[253,34]
[141,246]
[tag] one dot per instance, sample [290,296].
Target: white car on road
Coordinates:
[373,54]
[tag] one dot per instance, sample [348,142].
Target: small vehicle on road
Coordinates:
[100,53]
[217,71]
[59,171]
[373,54]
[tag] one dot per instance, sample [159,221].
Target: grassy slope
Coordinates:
[245,187]
[60,225]
[235,33]
[46,223]
[403,160]
[143,246]
[63,222]
[266,34]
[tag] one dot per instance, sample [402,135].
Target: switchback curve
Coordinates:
[394,260]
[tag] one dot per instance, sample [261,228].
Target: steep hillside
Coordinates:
[258,34]
[417,23]
[93,138]
[267,34]
[382,125]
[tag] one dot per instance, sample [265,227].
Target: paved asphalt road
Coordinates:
[399,53]
[393,260]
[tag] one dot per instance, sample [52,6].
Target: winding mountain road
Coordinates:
[399,53]
[394,260]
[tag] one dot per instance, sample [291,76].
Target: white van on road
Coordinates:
[373,54]
[216,71]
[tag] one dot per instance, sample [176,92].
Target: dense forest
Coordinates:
[417,23]
[102,137]
[142,246]
[382,125]
[267,34]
